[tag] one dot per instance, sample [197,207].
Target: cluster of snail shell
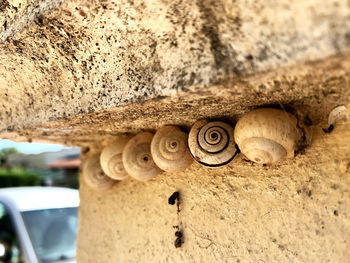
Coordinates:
[264,135]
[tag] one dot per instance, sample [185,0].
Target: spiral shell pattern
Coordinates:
[94,176]
[111,159]
[169,149]
[212,143]
[137,158]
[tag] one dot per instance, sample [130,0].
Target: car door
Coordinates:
[15,246]
[10,250]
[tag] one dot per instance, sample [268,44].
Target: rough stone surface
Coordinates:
[94,55]
[15,15]
[295,211]
[93,70]
[308,89]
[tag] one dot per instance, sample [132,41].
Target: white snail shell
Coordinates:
[137,158]
[212,143]
[267,135]
[94,176]
[338,114]
[169,149]
[111,159]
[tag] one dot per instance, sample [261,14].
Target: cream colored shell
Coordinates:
[338,114]
[170,150]
[137,158]
[267,135]
[94,176]
[111,159]
[212,143]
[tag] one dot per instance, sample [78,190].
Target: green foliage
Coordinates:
[8,151]
[75,182]
[18,177]
[4,154]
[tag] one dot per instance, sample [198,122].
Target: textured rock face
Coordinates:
[93,70]
[295,211]
[89,56]
[15,15]
[308,89]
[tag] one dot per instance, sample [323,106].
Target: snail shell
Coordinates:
[267,135]
[111,159]
[137,158]
[212,143]
[169,149]
[94,176]
[339,113]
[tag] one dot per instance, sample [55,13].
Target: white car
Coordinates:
[38,224]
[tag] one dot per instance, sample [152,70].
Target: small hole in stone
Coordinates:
[145,158]
[173,144]
[335,212]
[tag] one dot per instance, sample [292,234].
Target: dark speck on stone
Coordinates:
[175,196]
[309,193]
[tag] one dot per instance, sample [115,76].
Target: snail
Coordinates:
[94,176]
[338,114]
[267,135]
[137,158]
[212,143]
[169,149]
[111,159]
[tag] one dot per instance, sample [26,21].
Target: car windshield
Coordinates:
[53,233]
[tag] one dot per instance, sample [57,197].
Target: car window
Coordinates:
[53,233]
[9,247]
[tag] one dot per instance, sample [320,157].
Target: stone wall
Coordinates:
[91,71]
[15,15]
[295,211]
[86,57]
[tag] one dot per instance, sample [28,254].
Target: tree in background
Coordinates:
[18,177]
[15,177]
[4,154]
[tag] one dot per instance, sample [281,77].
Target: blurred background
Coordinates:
[34,164]
[38,202]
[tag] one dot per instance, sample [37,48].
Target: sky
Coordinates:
[31,148]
